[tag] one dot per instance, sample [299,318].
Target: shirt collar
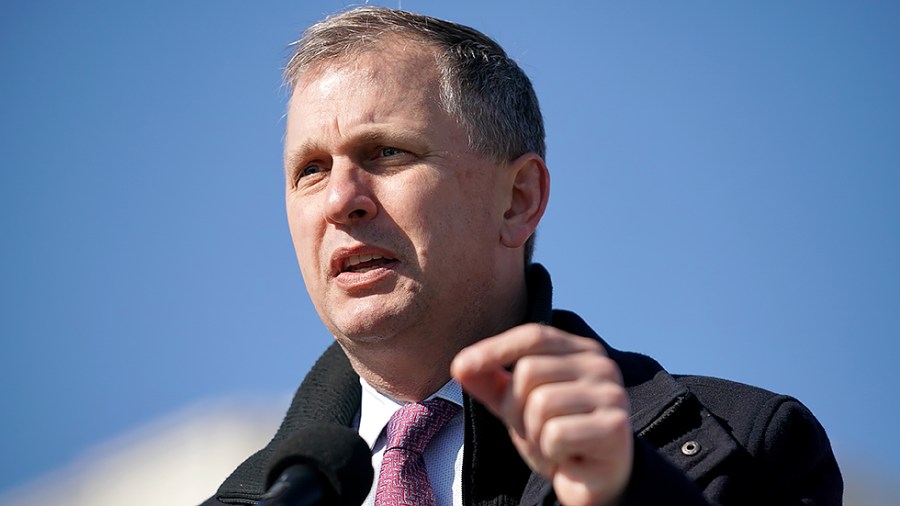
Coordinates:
[376,408]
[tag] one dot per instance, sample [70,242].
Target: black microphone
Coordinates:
[319,465]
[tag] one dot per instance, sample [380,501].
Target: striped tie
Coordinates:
[403,479]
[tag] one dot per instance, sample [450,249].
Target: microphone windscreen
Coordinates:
[338,452]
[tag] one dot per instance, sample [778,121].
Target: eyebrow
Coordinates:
[294,158]
[368,136]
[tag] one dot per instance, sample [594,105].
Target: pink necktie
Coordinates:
[403,479]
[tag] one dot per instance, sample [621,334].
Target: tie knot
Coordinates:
[412,426]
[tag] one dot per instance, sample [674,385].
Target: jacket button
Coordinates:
[690,448]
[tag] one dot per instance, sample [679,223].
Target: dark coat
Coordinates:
[698,440]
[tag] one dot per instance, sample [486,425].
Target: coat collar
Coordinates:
[651,389]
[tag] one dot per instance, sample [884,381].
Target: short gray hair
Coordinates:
[481,86]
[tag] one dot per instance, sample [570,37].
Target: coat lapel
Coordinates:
[330,393]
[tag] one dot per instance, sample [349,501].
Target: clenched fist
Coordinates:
[563,401]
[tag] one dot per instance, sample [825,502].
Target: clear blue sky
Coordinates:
[725,182]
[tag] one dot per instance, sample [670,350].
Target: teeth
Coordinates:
[358,259]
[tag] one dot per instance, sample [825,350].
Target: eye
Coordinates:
[310,170]
[389,151]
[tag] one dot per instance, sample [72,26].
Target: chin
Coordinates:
[367,327]
[374,318]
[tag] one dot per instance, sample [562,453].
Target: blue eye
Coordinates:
[310,170]
[389,151]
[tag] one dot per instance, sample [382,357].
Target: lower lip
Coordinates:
[355,281]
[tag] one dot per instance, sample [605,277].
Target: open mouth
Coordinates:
[365,263]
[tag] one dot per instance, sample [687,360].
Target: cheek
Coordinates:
[303,215]
[445,222]
[305,237]
[428,207]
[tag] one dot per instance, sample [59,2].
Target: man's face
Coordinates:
[395,221]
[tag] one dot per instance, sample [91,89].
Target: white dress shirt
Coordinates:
[443,455]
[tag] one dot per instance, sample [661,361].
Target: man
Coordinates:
[415,181]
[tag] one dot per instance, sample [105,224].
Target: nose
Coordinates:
[349,199]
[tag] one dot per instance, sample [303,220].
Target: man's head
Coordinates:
[409,207]
[481,87]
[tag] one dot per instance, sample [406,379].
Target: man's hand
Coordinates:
[563,401]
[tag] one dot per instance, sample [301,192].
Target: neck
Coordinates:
[412,365]
[405,384]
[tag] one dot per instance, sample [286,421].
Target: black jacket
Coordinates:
[698,440]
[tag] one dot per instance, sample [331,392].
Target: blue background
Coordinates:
[724,197]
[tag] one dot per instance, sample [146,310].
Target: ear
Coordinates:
[528,191]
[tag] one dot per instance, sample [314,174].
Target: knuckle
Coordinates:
[593,345]
[614,395]
[549,336]
[540,401]
[535,331]
[609,369]
[552,434]
[525,368]
[618,421]
[600,368]
[585,344]
[596,362]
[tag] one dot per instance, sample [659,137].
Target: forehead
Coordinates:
[400,76]
[391,94]
[398,56]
